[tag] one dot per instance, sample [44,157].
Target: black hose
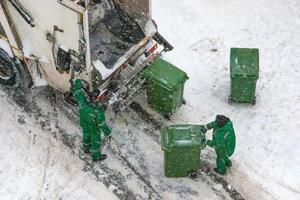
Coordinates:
[21,10]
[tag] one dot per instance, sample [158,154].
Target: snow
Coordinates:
[37,164]
[146,153]
[268,133]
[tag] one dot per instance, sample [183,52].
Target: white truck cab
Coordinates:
[107,43]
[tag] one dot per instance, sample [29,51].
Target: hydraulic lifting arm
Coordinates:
[22,11]
[10,32]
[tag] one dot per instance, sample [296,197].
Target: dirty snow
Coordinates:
[202,33]
[35,164]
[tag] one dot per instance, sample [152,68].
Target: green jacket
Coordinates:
[223,137]
[90,115]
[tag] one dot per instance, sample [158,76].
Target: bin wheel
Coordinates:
[167,116]
[230,100]
[193,175]
[254,101]
[183,101]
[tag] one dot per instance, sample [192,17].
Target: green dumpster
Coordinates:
[165,85]
[182,146]
[244,72]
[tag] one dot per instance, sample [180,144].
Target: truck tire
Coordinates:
[13,74]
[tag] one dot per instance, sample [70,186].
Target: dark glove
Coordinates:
[106,130]
[208,127]
[209,143]
[204,130]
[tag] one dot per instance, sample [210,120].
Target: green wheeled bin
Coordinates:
[165,86]
[182,145]
[244,73]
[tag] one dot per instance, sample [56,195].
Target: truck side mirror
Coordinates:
[63,59]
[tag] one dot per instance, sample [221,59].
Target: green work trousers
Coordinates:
[222,161]
[92,140]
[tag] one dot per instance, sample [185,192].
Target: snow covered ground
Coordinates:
[267,134]
[40,143]
[36,166]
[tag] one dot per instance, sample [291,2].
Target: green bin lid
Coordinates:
[183,136]
[244,62]
[165,73]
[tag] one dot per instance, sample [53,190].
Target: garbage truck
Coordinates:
[107,43]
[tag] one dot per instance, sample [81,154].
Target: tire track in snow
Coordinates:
[214,178]
[45,171]
[102,172]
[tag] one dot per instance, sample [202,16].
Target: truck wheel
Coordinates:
[8,73]
[12,73]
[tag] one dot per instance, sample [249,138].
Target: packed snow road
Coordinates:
[133,169]
[40,138]
[34,165]
[268,139]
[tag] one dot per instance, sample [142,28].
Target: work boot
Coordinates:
[222,172]
[86,144]
[103,157]
[86,148]
[228,163]
[221,166]
[98,156]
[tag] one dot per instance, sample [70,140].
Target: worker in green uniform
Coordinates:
[223,141]
[92,122]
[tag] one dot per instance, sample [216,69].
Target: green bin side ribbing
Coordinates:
[182,145]
[165,86]
[244,72]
